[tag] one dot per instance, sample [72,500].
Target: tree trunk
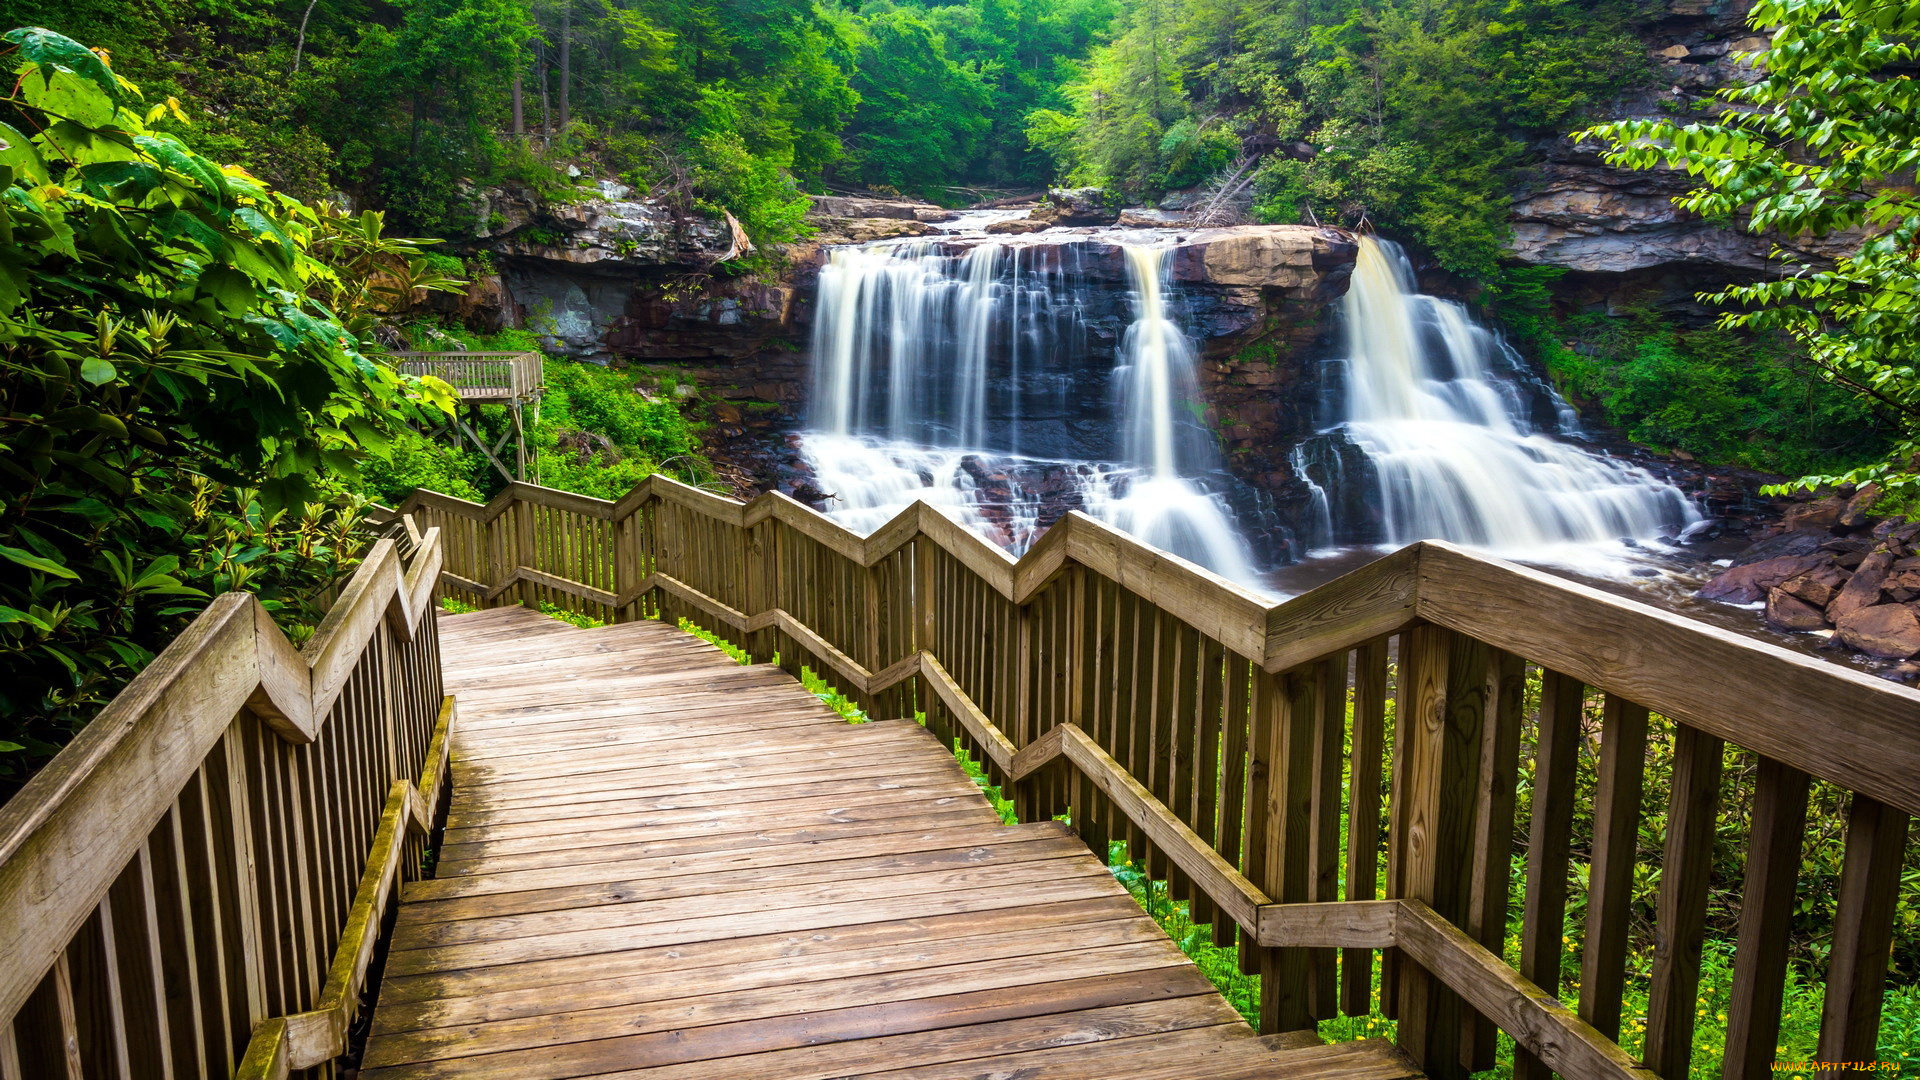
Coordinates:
[566,67]
[300,44]
[546,110]
[519,108]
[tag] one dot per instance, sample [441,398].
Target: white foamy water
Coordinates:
[1435,404]
[907,340]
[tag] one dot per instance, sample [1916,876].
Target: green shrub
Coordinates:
[1725,397]
[417,462]
[186,391]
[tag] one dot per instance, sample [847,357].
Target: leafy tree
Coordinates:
[1407,115]
[178,402]
[1824,143]
[921,115]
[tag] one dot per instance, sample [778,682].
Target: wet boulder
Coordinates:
[1750,583]
[1885,630]
[1863,588]
[1789,612]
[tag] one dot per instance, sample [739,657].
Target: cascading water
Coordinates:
[1454,434]
[967,378]
[1164,507]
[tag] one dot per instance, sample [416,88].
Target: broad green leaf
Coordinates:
[97,371]
[15,615]
[34,562]
[59,52]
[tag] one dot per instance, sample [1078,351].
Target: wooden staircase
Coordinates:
[659,863]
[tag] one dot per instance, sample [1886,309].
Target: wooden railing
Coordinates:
[479,376]
[1231,743]
[193,887]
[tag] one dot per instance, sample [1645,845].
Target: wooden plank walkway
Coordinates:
[659,863]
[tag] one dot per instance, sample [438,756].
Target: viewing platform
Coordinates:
[512,379]
[489,378]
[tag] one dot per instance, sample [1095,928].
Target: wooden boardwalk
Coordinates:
[659,863]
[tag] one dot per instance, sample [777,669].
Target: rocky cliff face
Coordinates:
[1618,230]
[617,277]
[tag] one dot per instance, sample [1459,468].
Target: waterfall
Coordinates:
[1164,507]
[964,376]
[1449,424]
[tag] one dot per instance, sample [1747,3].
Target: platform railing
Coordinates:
[194,886]
[1267,760]
[478,376]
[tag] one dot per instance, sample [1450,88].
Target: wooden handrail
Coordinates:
[1206,727]
[165,844]
[1674,665]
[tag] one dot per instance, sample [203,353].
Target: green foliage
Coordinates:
[1724,396]
[184,388]
[738,654]
[1417,116]
[572,618]
[1825,142]
[921,115]
[414,461]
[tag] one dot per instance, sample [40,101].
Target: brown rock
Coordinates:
[1863,589]
[1018,226]
[1889,630]
[1904,672]
[1817,586]
[1788,612]
[1818,514]
[1855,515]
[1746,584]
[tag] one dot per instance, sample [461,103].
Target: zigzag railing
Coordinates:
[1231,744]
[194,886]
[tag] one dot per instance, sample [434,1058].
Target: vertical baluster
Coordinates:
[1328,748]
[1616,835]
[1234,765]
[1766,913]
[180,958]
[1286,975]
[46,1030]
[1549,843]
[100,1025]
[1205,810]
[233,813]
[1183,719]
[1268,704]
[1159,762]
[1404,681]
[1442,743]
[1862,931]
[1127,699]
[1681,916]
[1363,819]
[134,911]
[1493,834]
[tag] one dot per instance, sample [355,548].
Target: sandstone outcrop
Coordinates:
[1078,207]
[1618,229]
[610,227]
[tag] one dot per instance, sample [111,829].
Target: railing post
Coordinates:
[1440,735]
[524,551]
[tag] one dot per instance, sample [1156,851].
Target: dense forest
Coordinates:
[1408,116]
